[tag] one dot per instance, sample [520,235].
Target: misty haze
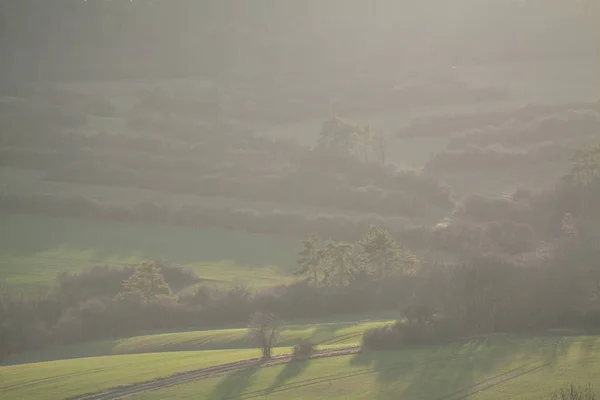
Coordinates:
[299,199]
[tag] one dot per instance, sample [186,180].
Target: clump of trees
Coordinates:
[375,256]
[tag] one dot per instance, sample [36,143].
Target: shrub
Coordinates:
[402,334]
[574,392]
[303,349]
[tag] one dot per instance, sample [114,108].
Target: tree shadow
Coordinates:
[290,371]
[432,371]
[234,385]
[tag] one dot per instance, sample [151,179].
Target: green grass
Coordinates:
[427,372]
[33,249]
[61,379]
[417,373]
[341,332]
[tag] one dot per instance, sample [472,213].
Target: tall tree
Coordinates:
[341,262]
[147,282]
[263,329]
[309,259]
[381,253]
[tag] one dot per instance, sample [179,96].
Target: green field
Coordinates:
[438,372]
[34,249]
[500,367]
[343,332]
[71,370]
[61,379]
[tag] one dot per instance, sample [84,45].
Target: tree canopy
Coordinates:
[147,282]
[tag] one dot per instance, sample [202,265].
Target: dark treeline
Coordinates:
[98,39]
[221,159]
[456,124]
[515,151]
[556,287]
[109,302]
[574,124]
[555,284]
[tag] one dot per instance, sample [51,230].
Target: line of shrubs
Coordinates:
[580,124]
[489,295]
[450,125]
[84,306]
[487,227]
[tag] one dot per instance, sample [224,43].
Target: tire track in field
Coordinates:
[472,391]
[335,377]
[337,339]
[503,381]
[58,377]
[125,391]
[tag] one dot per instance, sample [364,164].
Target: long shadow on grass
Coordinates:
[234,385]
[433,371]
[290,371]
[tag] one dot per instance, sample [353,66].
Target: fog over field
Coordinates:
[308,199]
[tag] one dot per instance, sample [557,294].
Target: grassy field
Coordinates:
[340,332]
[65,378]
[99,365]
[494,369]
[34,249]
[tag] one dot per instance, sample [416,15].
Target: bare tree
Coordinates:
[263,329]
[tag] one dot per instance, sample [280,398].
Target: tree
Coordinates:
[147,282]
[381,253]
[309,258]
[263,329]
[341,263]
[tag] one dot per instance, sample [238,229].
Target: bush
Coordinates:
[573,392]
[303,349]
[403,334]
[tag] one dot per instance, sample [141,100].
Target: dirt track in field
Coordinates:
[121,392]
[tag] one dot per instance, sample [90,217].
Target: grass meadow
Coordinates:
[343,331]
[493,369]
[34,249]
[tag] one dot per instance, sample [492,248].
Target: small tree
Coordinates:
[147,282]
[303,349]
[263,329]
